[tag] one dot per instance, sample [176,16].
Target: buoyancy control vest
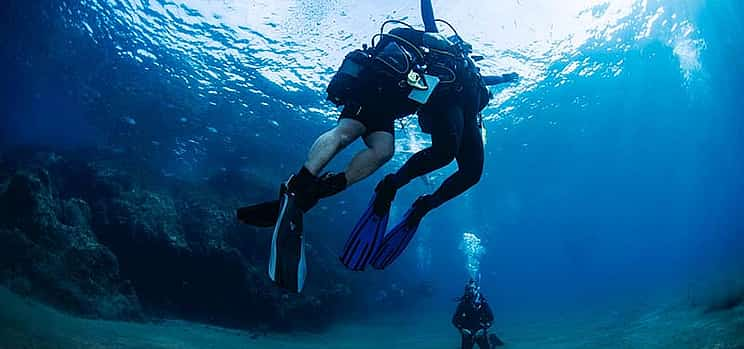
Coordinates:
[398,63]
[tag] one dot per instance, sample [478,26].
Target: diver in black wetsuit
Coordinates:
[473,318]
[452,116]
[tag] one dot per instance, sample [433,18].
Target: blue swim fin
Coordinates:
[365,238]
[395,241]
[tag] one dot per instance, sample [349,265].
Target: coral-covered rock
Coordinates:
[83,236]
[63,264]
[76,213]
[142,217]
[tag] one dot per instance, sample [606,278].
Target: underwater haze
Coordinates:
[609,214]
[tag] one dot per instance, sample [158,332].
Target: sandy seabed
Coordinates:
[27,324]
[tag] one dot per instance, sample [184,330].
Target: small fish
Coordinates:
[129,120]
[212,129]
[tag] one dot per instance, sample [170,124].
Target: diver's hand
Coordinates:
[510,77]
[466,332]
[490,80]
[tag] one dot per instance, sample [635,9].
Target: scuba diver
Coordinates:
[397,76]
[452,115]
[473,318]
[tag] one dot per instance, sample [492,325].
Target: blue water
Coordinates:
[613,168]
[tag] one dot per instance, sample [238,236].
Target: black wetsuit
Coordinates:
[476,318]
[451,117]
[455,135]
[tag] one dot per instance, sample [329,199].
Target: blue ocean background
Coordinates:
[613,174]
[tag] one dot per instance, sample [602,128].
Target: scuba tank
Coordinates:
[345,84]
[390,68]
[394,66]
[408,67]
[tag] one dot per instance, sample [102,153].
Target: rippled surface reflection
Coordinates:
[298,44]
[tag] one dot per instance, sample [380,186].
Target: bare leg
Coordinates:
[380,149]
[303,184]
[332,142]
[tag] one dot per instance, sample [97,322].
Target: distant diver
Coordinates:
[473,318]
[451,113]
[403,72]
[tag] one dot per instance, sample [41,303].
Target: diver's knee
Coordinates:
[473,176]
[342,137]
[473,179]
[443,155]
[384,153]
[387,155]
[382,146]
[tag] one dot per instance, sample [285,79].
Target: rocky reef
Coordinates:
[99,241]
[50,251]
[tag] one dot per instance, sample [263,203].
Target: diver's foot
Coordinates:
[332,183]
[385,194]
[309,187]
[495,341]
[420,208]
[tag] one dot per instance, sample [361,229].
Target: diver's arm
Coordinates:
[487,315]
[456,318]
[500,79]
[427,13]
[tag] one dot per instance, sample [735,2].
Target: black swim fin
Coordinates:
[266,213]
[262,215]
[287,266]
[495,341]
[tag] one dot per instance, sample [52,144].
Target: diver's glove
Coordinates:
[510,77]
[466,332]
[491,80]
